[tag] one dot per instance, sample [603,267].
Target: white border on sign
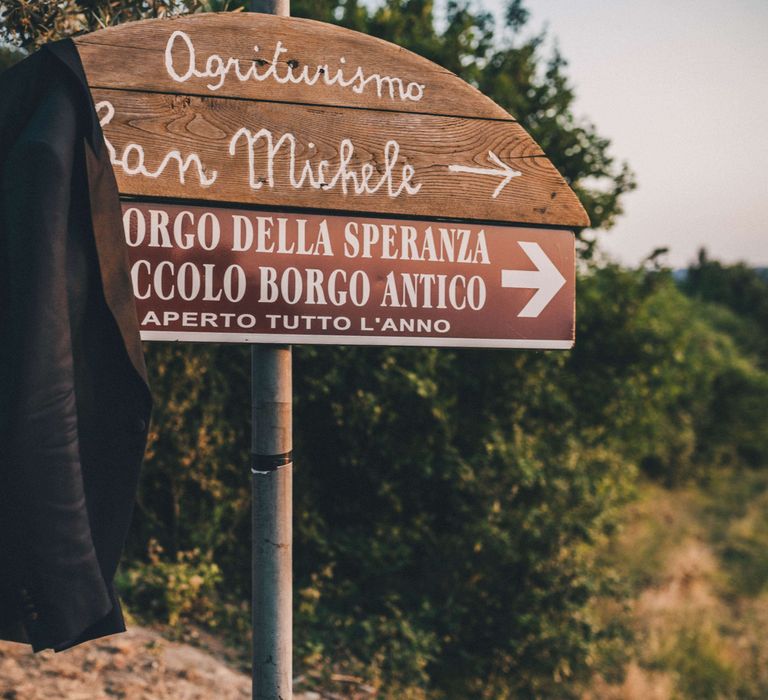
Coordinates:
[288,339]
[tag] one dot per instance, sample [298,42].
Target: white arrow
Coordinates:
[502,171]
[545,279]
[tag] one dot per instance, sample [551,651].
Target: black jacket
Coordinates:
[74,402]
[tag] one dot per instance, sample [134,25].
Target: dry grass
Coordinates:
[700,624]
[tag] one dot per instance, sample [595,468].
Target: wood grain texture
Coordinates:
[132,56]
[437,120]
[429,144]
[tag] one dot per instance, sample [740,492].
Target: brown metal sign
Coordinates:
[220,274]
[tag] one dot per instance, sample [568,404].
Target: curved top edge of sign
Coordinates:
[320,37]
[314,65]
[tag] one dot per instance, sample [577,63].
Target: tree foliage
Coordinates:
[743,290]
[449,503]
[29,24]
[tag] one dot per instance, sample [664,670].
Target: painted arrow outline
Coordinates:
[546,279]
[503,170]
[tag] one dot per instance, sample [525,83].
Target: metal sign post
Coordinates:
[272,503]
[271,515]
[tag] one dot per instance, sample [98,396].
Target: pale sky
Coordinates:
[681,89]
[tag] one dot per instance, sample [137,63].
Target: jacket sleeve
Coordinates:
[58,579]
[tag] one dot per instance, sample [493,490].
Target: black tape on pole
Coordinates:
[270,463]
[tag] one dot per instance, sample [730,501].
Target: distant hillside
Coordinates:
[681,274]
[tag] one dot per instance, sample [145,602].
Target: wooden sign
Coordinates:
[292,181]
[238,275]
[272,111]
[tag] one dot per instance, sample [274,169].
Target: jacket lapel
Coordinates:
[111,250]
[105,213]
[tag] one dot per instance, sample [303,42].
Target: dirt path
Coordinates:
[137,665]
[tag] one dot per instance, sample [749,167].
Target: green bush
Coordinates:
[696,660]
[171,592]
[449,503]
